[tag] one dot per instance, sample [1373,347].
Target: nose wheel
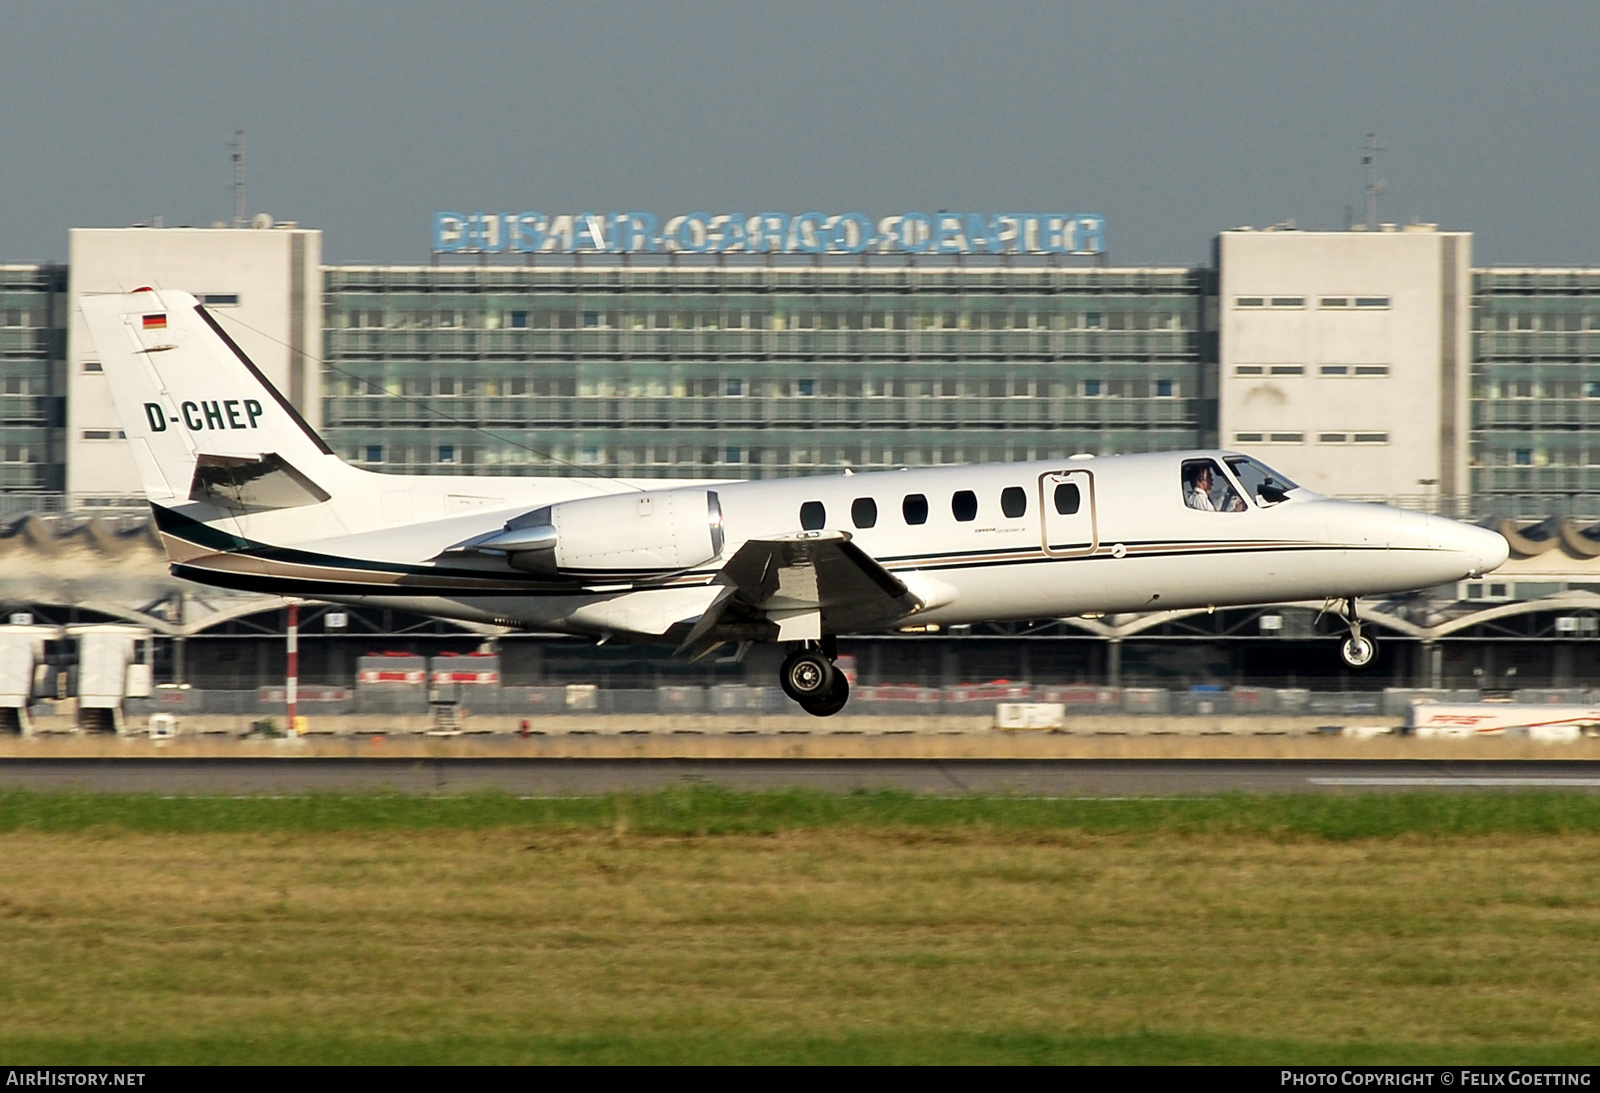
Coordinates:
[1358,650]
[809,677]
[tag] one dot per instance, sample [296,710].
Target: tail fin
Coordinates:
[203,422]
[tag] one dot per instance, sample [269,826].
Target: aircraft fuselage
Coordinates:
[1133,544]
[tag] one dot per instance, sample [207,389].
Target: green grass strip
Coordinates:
[714,811]
[944,1046]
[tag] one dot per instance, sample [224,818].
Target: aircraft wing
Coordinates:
[799,586]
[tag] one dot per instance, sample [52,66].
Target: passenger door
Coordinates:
[1066,507]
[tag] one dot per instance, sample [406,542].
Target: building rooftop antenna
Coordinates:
[238,178]
[1369,160]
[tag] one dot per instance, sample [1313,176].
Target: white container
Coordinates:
[1014,716]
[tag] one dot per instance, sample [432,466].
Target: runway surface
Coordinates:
[578,777]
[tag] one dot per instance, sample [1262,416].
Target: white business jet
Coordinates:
[246,495]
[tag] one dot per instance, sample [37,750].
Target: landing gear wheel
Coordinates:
[1358,651]
[837,696]
[807,676]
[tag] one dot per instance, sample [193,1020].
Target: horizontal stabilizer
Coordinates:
[251,484]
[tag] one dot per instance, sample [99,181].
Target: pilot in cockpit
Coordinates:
[1200,483]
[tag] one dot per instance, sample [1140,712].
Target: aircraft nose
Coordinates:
[1480,548]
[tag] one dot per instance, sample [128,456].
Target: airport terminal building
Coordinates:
[1368,364]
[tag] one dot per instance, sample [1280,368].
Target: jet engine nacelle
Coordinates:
[620,535]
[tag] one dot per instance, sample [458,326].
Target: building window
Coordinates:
[1287,370]
[220,299]
[519,320]
[1333,438]
[1368,370]
[1092,388]
[734,389]
[447,453]
[1248,370]
[805,388]
[1334,301]
[964,505]
[1370,438]
[733,455]
[374,453]
[1248,438]
[1281,303]
[1372,303]
[92,366]
[1166,388]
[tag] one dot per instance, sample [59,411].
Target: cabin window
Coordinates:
[964,505]
[813,516]
[1207,489]
[1014,501]
[864,512]
[915,508]
[1068,498]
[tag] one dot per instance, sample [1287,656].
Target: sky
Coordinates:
[1174,120]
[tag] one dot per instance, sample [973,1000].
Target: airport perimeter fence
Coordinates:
[886,700]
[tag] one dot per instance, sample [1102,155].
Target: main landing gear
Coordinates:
[1357,650]
[810,678]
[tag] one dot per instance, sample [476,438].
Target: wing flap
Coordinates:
[794,584]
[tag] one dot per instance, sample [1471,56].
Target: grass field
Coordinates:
[712,926]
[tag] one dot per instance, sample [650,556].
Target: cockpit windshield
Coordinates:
[1264,485]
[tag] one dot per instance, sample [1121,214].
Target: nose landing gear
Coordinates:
[1357,650]
[809,677]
